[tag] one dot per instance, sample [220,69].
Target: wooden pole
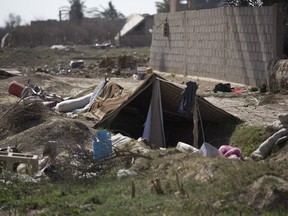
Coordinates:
[195,125]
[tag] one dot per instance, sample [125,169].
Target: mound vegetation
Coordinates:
[167,183]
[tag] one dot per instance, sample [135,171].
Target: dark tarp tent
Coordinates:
[151,111]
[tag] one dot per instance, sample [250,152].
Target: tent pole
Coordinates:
[201,122]
[195,124]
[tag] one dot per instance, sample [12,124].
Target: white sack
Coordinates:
[281,140]
[275,126]
[268,144]
[120,139]
[283,117]
[72,104]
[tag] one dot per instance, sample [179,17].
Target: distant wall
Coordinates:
[51,32]
[234,44]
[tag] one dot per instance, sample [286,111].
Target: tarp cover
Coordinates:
[132,108]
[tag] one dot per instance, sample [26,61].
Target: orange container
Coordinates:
[17,89]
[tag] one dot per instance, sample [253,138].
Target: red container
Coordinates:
[17,89]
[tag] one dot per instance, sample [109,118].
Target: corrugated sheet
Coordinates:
[132,21]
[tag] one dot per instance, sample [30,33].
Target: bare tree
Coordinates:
[13,20]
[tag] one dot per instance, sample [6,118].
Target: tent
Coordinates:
[151,111]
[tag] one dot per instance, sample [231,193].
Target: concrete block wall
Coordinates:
[234,44]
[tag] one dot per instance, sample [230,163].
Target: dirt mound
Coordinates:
[61,131]
[280,161]
[268,192]
[23,115]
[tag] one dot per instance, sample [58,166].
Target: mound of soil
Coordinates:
[268,192]
[23,115]
[62,131]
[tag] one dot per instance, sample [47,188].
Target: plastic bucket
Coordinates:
[17,89]
[102,144]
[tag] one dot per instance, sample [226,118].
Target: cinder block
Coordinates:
[9,161]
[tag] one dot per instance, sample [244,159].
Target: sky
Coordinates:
[49,9]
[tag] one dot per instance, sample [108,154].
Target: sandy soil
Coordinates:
[252,108]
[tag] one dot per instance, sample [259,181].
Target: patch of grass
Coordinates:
[254,89]
[191,185]
[248,138]
[112,53]
[109,195]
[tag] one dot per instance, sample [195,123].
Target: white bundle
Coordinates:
[268,144]
[275,126]
[283,118]
[72,104]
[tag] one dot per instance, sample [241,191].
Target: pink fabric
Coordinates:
[230,151]
[224,148]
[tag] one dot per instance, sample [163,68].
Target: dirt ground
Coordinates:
[40,66]
[32,128]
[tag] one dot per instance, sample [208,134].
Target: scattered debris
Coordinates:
[33,93]
[6,73]
[226,87]
[29,125]
[126,173]
[62,47]
[141,73]
[238,90]
[77,64]
[106,45]
[4,39]
[11,161]
[18,89]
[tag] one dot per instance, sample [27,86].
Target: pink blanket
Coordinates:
[230,152]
